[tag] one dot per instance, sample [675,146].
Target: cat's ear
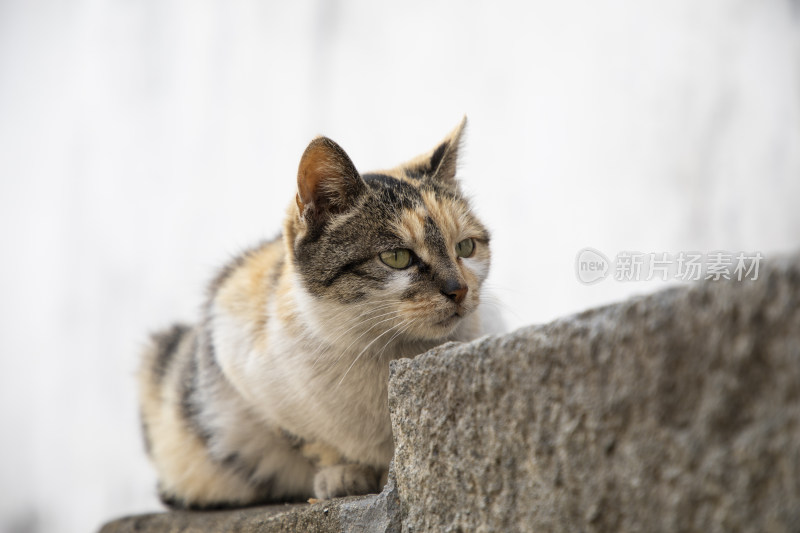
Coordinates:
[327,181]
[440,163]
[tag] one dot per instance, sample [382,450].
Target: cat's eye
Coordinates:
[397,258]
[465,248]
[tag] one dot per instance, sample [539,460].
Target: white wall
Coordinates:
[143,143]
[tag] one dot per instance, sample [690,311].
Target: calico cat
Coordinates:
[279,393]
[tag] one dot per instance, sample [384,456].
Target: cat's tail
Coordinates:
[158,360]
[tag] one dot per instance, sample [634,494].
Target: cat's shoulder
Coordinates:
[242,284]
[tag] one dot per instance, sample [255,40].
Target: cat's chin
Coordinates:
[440,329]
[450,322]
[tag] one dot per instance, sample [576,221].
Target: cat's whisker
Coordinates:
[365,349]
[500,305]
[368,316]
[394,314]
[408,326]
[495,287]
[355,321]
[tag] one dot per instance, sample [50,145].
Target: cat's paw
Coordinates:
[345,480]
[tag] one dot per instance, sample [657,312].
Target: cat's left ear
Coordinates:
[440,163]
[327,181]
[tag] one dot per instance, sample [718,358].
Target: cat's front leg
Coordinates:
[345,480]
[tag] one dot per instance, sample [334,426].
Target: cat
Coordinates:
[279,393]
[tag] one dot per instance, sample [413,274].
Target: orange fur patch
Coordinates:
[441,210]
[247,290]
[411,226]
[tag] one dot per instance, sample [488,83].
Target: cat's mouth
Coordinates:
[450,320]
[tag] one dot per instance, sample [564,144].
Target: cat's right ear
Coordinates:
[327,181]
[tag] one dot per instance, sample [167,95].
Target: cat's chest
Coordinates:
[303,384]
[322,394]
[329,378]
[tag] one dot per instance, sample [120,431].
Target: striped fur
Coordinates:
[279,392]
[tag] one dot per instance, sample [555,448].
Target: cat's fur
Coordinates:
[280,391]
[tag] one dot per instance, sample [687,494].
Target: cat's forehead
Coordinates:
[424,211]
[391,189]
[397,187]
[434,220]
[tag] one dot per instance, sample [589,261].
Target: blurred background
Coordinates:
[144,143]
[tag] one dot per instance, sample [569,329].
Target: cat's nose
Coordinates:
[455,290]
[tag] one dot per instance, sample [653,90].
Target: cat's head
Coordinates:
[396,254]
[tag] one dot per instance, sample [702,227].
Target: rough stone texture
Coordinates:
[678,411]
[376,513]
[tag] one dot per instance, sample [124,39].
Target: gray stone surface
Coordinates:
[678,411]
[375,513]
[336,516]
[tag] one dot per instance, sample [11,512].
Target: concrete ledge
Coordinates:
[678,411]
[376,512]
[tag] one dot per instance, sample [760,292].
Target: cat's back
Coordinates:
[244,288]
[241,288]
